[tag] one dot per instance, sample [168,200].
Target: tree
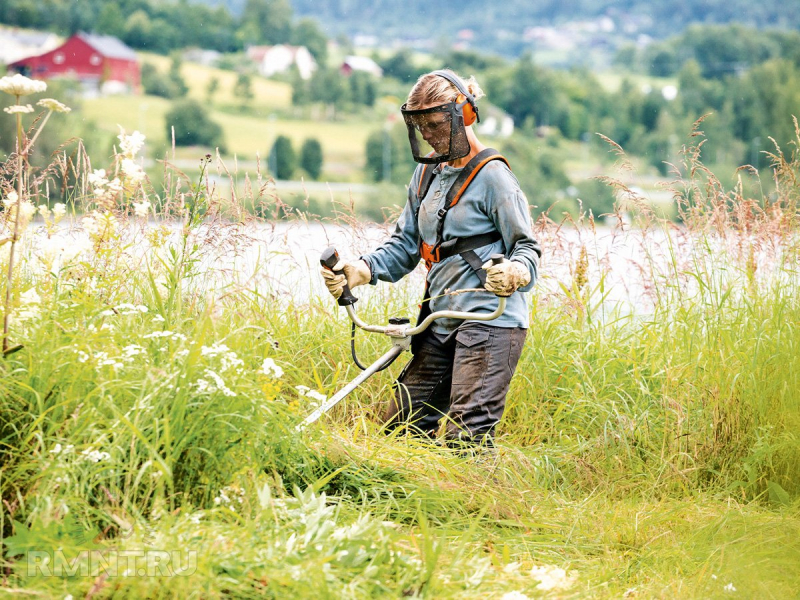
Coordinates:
[243,89]
[311,157]
[307,33]
[362,88]
[156,83]
[266,21]
[211,89]
[401,66]
[175,76]
[193,126]
[110,20]
[138,29]
[282,159]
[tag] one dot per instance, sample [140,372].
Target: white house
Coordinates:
[496,124]
[280,58]
[360,63]
[16,44]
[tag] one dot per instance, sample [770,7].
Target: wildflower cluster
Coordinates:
[19,85]
[309,393]
[13,204]
[228,358]
[100,226]
[52,217]
[105,191]
[129,147]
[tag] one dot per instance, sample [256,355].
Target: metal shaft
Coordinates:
[393,352]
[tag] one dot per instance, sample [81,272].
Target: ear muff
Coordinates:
[466,110]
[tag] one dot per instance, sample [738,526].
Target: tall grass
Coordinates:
[649,447]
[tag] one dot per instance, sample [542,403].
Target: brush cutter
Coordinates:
[399,330]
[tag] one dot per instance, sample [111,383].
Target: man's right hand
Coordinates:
[355,273]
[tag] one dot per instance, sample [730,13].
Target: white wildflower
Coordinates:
[130,309]
[56,449]
[202,385]
[26,211]
[220,383]
[130,144]
[44,210]
[54,105]
[59,210]
[514,596]
[309,393]
[551,578]
[128,352]
[165,334]
[729,588]
[100,226]
[231,360]
[82,356]
[132,170]
[271,369]
[30,297]
[19,85]
[92,455]
[214,349]
[114,186]
[18,109]
[97,178]
[141,209]
[158,319]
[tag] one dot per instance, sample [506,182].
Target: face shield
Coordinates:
[437,134]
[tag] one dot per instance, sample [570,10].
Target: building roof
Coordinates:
[108,46]
[362,63]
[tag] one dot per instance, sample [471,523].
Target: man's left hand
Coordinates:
[503,279]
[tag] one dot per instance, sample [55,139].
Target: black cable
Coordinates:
[353,351]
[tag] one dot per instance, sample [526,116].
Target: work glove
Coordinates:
[503,279]
[355,273]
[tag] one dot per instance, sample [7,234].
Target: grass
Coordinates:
[648,449]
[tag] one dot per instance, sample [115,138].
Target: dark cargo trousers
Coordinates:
[463,377]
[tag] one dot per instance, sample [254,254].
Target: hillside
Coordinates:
[488,21]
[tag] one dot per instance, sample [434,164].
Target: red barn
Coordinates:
[95,60]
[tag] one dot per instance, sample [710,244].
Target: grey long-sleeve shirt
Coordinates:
[492,202]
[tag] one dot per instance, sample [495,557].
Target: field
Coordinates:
[247,133]
[160,356]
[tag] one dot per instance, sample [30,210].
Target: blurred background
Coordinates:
[309,92]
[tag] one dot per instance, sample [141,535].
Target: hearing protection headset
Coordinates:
[465,100]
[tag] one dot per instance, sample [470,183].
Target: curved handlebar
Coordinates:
[407,330]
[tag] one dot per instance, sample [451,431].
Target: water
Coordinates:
[280,261]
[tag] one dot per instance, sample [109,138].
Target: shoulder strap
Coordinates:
[461,184]
[425,180]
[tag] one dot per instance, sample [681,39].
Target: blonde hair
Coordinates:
[432,89]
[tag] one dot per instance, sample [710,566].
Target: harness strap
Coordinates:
[425,180]
[434,254]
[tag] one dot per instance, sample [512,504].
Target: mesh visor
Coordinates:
[436,134]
